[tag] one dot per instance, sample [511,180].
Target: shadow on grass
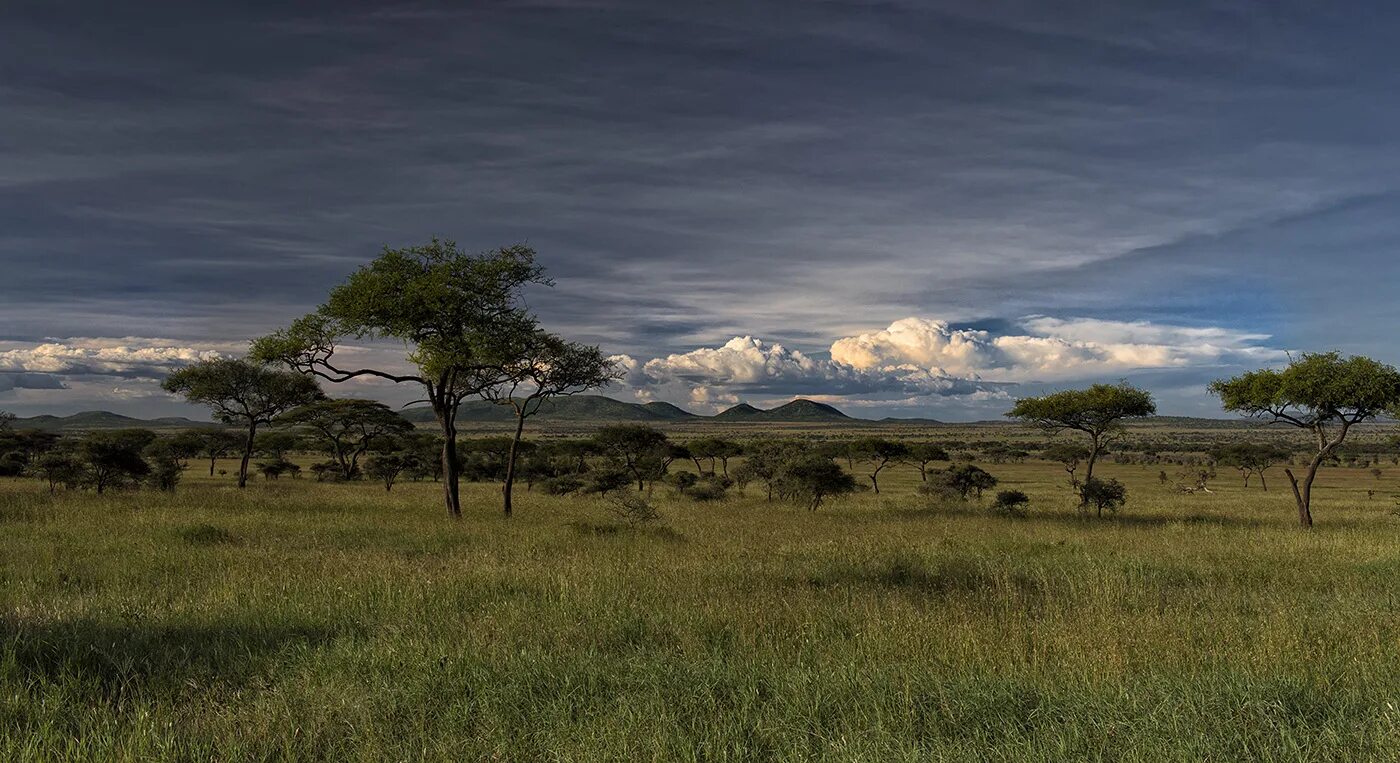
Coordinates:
[113,661]
[622,529]
[1124,519]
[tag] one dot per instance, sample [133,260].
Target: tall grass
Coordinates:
[297,621]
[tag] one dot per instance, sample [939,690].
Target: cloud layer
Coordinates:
[925,357]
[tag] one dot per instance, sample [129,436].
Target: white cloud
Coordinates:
[917,358]
[127,357]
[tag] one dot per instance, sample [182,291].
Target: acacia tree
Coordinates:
[1097,412]
[1322,393]
[7,421]
[215,444]
[452,311]
[922,454]
[347,428]
[714,449]
[1069,456]
[540,367]
[242,392]
[631,445]
[879,453]
[1251,459]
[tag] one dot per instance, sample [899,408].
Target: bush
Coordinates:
[709,490]
[1011,503]
[562,485]
[1104,494]
[682,481]
[634,510]
[606,481]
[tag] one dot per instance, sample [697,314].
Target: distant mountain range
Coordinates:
[80,422]
[591,408]
[599,408]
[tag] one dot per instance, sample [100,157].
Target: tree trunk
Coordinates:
[450,491]
[875,483]
[247,456]
[212,461]
[1302,494]
[1263,482]
[1089,475]
[510,460]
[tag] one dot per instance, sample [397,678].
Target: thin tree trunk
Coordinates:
[212,461]
[1263,482]
[247,456]
[1302,495]
[510,459]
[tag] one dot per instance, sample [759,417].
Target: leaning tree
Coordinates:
[539,367]
[1097,412]
[242,392]
[450,309]
[1323,393]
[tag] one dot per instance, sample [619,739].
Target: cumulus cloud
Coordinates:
[127,357]
[1049,349]
[917,358]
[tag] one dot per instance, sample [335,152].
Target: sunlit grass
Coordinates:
[338,622]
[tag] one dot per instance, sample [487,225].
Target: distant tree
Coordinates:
[167,458]
[7,421]
[538,367]
[924,453]
[766,459]
[276,445]
[715,449]
[1322,393]
[347,429]
[242,392]
[1097,412]
[1251,459]
[215,444]
[631,445]
[456,313]
[965,480]
[811,479]
[1069,456]
[879,453]
[19,448]
[1104,494]
[1011,503]
[58,466]
[386,467]
[112,459]
[1377,473]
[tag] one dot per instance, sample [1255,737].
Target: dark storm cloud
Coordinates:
[798,171]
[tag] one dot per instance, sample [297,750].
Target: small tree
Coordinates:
[113,459]
[386,467]
[7,421]
[965,480]
[242,392]
[1011,503]
[632,446]
[924,453]
[715,449]
[215,444]
[59,466]
[454,311]
[347,429]
[1104,494]
[541,367]
[809,480]
[1322,393]
[1251,459]
[168,457]
[879,453]
[1097,412]
[1069,456]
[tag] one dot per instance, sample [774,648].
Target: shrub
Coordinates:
[709,490]
[683,481]
[1104,494]
[1011,503]
[634,510]
[606,481]
[562,485]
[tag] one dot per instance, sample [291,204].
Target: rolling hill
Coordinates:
[90,420]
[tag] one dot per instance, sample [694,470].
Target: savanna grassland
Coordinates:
[304,621]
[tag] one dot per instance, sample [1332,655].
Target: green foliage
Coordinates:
[1104,495]
[1012,503]
[634,448]
[241,392]
[964,480]
[1317,388]
[810,480]
[1095,410]
[347,429]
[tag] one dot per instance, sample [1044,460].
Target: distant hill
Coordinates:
[90,420]
[599,408]
[575,408]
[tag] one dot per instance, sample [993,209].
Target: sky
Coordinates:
[898,207]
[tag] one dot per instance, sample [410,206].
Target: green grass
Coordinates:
[298,621]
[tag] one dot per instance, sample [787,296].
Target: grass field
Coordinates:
[305,621]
